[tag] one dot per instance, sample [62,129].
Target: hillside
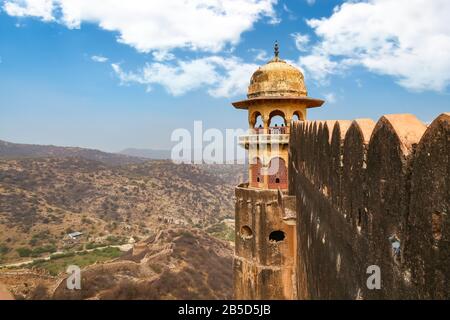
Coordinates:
[147,153]
[44,199]
[9,150]
[175,263]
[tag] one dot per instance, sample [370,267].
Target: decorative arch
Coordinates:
[277,128]
[254,117]
[278,175]
[275,113]
[298,116]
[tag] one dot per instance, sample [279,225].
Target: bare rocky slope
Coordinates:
[174,264]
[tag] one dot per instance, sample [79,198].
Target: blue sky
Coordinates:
[87,73]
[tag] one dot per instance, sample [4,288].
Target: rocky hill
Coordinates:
[9,150]
[175,263]
[44,199]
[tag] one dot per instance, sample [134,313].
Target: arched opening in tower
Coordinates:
[257,123]
[297,116]
[277,122]
[277,236]
[278,174]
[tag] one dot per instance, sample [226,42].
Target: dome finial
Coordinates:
[276,49]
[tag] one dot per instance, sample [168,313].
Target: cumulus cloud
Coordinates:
[36,8]
[100,59]
[149,25]
[406,39]
[222,77]
[319,67]
[163,55]
[311,2]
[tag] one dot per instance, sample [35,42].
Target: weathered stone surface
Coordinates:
[428,239]
[264,266]
[337,154]
[387,204]
[277,78]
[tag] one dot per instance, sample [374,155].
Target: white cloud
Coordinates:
[99,58]
[222,77]
[36,8]
[149,25]
[318,67]
[301,41]
[406,39]
[330,98]
[311,2]
[163,55]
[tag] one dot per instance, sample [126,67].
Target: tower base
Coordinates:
[264,262]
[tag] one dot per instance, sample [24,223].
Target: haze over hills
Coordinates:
[147,153]
[17,150]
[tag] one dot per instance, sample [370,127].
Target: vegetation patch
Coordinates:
[221,231]
[58,263]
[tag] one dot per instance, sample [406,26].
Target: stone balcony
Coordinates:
[249,139]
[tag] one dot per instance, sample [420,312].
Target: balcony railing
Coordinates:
[270,130]
[278,130]
[264,139]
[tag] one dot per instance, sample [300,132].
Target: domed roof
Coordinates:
[277,78]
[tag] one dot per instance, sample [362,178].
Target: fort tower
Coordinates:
[265,255]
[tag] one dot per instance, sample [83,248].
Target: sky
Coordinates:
[110,75]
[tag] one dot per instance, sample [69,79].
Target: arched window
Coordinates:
[297,116]
[259,122]
[278,174]
[256,122]
[277,122]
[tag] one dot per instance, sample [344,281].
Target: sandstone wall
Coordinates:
[372,194]
[264,266]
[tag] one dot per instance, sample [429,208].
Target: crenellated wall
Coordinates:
[372,194]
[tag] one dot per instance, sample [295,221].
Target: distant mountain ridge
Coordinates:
[18,150]
[147,153]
